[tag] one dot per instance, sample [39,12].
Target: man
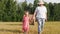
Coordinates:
[41,15]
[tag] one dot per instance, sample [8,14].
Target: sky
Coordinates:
[32,1]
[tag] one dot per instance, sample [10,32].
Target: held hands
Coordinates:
[32,19]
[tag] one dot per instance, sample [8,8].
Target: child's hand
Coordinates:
[34,19]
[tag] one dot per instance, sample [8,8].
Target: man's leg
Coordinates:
[39,26]
[42,24]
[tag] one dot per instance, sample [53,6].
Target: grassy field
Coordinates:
[16,28]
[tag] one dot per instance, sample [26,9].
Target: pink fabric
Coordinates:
[25,23]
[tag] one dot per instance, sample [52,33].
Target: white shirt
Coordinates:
[41,12]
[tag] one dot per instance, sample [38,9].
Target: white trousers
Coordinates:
[41,22]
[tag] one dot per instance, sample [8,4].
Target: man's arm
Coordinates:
[46,14]
[35,14]
[46,17]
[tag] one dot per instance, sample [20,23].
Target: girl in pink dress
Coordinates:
[26,22]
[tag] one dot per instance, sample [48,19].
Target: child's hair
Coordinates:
[26,11]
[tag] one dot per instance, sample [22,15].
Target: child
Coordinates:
[26,22]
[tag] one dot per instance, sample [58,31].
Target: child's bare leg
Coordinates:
[24,33]
[27,33]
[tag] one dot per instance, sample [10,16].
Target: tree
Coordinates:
[51,8]
[30,8]
[57,12]
[24,5]
[2,8]
[48,11]
[35,5]
[8,10]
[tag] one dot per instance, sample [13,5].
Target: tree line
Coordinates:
[11,11]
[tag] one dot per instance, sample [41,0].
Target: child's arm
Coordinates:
[29,19]
[23,19]
[33,18]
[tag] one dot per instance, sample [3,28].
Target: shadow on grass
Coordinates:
[14,24]
[17,24]
[15,31]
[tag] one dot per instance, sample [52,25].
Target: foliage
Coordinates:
[11,11]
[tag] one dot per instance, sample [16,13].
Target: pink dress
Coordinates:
[25,23]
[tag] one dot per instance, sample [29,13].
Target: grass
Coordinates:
[16,28]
